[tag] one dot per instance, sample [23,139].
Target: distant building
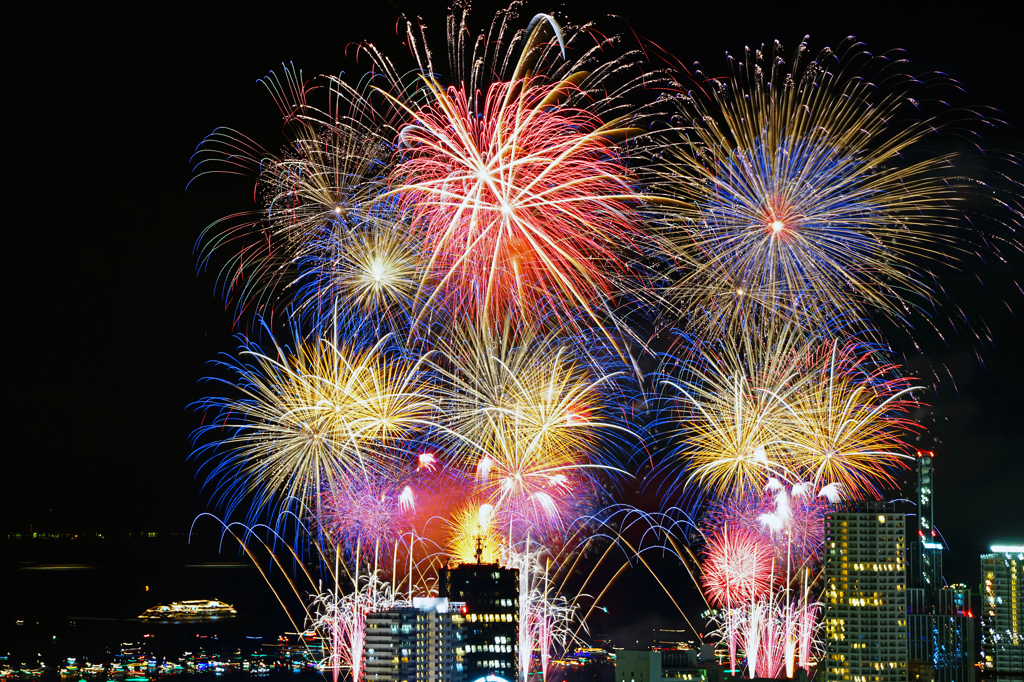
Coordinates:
[674,639]
[682,664]
[954,652]
[659,665]
[866,606]
[421,642]
[939,620]
[632,665]
[1002,612]
[491,629]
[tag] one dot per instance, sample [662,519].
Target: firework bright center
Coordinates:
[378,271]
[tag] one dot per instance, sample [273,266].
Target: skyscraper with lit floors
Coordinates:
[490,594]
[1002,612]
[415,643]
[865,598]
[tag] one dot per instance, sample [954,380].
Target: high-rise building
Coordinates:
[926,551]
[421,642]
[866,605]
[1002,612]
[491,630]
[939,619]
[923,556]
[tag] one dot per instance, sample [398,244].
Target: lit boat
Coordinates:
[194,609]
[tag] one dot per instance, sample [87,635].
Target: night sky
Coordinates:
[109,327]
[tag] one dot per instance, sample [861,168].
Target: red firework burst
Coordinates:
[524,206]
[737,568]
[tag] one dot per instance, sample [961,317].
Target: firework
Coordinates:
[525,204]
[764,609]
[796,186]
[372,512]
[720,402]
[369,273]
[790,518]
[737,568]
[319,208]
[791,407]
[534,420]
[305,421]
[776,632]
[517,184]
[472,536]
[737,573]
[545,617]
[341,621]
[462,254]
[849,417]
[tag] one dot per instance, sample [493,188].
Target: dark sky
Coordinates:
[109,327]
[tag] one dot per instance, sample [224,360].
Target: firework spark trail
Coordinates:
[339,619]
[342,620]
[338,616]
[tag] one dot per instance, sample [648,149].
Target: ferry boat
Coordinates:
[193,609]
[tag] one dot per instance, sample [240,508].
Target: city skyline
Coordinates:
[124,286]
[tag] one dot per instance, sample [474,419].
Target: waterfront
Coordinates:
[81,598]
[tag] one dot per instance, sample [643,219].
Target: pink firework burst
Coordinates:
[524,204]
[369,514]
[788,518]
[737,567]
